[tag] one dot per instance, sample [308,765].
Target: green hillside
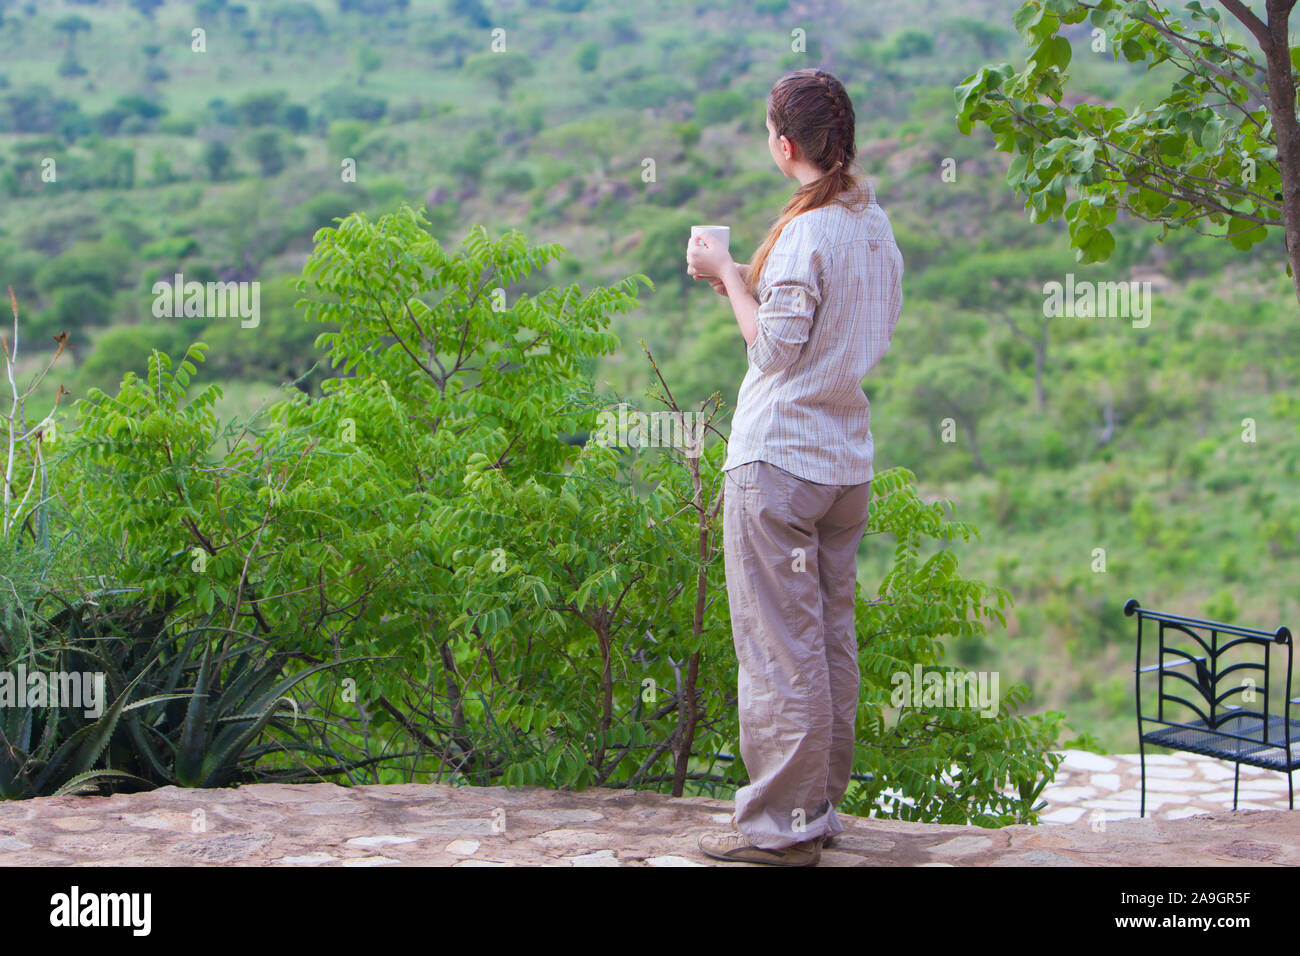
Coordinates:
[611,132]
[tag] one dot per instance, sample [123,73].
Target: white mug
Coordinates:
[721,233]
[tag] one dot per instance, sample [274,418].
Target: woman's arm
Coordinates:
[719,286]
[744,305]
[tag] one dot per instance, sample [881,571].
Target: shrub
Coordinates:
[1111,491]
[124,348]
[1056,453]
[907,44]
[518,604]
[271,150]
[322,210]
[177,126]
[343,102]
[588,56]
[74,308]
[344,136]
[653,92]
[515,178]
[720,106]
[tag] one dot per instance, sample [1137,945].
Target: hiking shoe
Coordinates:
[736,848]
[827,841]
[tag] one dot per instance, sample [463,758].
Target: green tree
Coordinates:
[210,9]
[1218,153]
[153,71]
[346,103]
[216,158]
[161,171]
[504,70]
[297,18]
[1009,286]
[988,37]
[588,56]
[147,7]
[957,387]
[368,61]
[73,309]
[344,136]
[662,253]
[271,150]
[720,106]
[472,10]
[125,349]
[908,43]
[88,264]
[70,26]
[281,350]
[262,109]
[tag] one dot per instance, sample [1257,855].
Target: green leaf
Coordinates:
[1029,15]
[1057,53]
[1243,233]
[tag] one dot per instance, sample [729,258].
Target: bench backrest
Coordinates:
[1219,672]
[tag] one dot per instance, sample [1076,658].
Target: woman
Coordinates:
[817,309]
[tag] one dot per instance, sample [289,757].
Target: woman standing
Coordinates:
[817,308]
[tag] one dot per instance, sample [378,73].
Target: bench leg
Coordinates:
[1142,758]
[1235,778]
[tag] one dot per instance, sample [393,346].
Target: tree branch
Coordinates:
[1251,22]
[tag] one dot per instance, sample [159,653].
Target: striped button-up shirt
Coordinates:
[829,298]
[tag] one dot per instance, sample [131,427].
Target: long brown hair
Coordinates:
[811,109]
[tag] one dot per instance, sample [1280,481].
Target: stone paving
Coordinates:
[414,824]
[1091,787]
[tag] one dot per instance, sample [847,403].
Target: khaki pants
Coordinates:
[790,549]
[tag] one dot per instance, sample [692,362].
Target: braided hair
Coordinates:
[812,109]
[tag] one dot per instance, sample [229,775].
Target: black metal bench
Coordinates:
[1227,731]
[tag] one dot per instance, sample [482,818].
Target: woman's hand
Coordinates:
[706,256]
[719,286]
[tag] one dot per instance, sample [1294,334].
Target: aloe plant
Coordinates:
[190,709]
[213,745]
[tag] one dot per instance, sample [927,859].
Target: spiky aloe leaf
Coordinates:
[172,676]
[144,746]
[80,751]
[15,742]
[83,781]
[114,673]
[221,759]
[147,701]
[189,754]
[253,681]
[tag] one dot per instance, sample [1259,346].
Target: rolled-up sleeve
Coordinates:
[793,279]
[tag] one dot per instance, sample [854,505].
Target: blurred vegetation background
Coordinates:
[611,131]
